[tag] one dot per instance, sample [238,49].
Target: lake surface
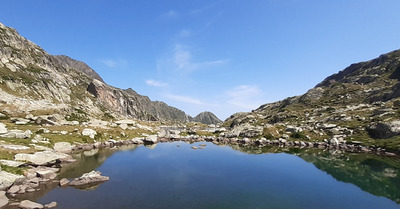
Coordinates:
[172,175]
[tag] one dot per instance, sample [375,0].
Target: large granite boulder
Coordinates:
[89,132]
[64,147]
[8,179]
[384,130]
[43,158]
[3,199]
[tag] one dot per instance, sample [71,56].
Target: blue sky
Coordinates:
[223,56]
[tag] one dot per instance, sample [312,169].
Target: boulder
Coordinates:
[8,179]
[384,130]
[64,182]
[64,147]
[245,130]
[11,163]
[127,122]
[27,204]
[43,158]
[151,139]
[17,134]
[92,177]
[89,132]
[43,120]
[15,147]
[3,199]
[3,128]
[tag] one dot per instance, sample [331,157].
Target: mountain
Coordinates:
[207,118]
[35,82]
[359,104]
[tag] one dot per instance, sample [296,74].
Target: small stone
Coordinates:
[27,204]
[51,205]
[64,182]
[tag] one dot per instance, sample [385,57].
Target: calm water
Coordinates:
[168,176]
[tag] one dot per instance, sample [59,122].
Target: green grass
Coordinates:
[14,170]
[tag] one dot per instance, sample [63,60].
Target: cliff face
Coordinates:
[33,80]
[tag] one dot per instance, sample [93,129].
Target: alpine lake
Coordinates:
[174,175]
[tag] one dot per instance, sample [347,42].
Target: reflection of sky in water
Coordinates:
[169,176]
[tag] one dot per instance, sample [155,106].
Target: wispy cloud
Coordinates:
[184,33]
[109,62]
[245,96]
[184,99]
[155,83]
[170,14]
[183,60]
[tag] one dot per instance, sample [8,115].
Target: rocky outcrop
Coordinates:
[207,118]
[130,103]
[384,130]
[93,177]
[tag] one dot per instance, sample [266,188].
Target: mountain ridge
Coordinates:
[29,72]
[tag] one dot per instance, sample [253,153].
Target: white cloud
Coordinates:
[170,14]
[184,99]
[155,83]
[245,96]
[184,33]
[183,60]
[109,62]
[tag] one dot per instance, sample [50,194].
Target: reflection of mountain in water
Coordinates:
[377,175]
[88,161]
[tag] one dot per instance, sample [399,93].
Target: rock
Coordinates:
[12,190]
[11,163]
[137,140]
[17,134]
[127,122]
[43,158]
[123,126]
[151,139]
[89,132]
[3,128]
[92,177]
[46,172]
[3,199]
[20,121]
[27,204]
[7,179]
[43,120]
[51,205]
[384,130]
[64,182]
[64,147]
[194,147]
[245,130]
[15,147]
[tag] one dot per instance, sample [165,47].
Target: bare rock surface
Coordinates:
[92,177]
[27,204]
[43,158]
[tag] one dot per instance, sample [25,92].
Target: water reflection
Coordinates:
[377,175]
[374,174]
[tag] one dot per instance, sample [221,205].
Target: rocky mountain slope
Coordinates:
[207,118]
[359,104]
[33,81]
